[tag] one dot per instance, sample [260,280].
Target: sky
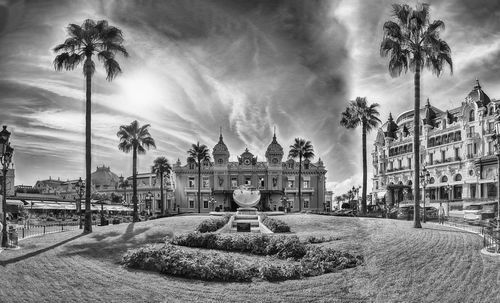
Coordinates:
[246,66]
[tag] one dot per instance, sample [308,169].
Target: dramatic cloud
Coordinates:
[245,66]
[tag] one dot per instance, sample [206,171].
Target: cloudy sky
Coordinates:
[242,65]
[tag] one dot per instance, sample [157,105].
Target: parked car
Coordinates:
[406,212]
[475,213]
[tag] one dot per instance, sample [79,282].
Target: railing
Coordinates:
[491,239]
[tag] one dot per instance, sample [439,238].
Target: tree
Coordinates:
[412,41]
[197,155]
[85,41]
[137,139]
[160,168]
[301,149]
[359,112]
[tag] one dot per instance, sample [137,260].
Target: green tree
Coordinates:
[160,167]
[198,154]
[137,139]
[85,41]
[412,41]
[360,113]
[303,150]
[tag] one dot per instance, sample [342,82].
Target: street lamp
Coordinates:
[80,187]
[149,199]
[449,188]
[424,179]
[5,158]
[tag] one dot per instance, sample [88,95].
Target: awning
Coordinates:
[15,202]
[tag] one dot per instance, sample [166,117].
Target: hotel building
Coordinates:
[455,147]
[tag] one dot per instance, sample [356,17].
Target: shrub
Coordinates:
[213,224]
[282,246]
[275,225]
[322,239]
[176,261]
[321,260]
[279,272]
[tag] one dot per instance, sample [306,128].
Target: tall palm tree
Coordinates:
[160,168]
[412,41]
[137,139]
[91,38]
[303,150]
[197,154]
[359,112]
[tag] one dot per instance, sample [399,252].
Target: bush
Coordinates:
[214,266]
[322,239]
[283,247]
[176,261]
[275,225]
[213,224]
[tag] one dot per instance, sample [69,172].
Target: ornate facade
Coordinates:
[455,148]
[275,178]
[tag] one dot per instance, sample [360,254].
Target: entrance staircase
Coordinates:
[246,215]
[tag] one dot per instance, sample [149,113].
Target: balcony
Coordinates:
[470,156]
[194,189]
[308,190]
[291,189]
[489,132]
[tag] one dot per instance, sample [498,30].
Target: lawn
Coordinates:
[433,264]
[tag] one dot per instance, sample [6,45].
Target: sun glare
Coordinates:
[142,94]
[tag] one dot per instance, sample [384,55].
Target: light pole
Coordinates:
[5,159]
[81,189]
[449,188]
[424,179]
[149,199]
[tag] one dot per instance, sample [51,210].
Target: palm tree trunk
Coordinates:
[363,195]
[199,187]
[300,185]
[416,149]
[88,151]
[161,194]
[134,183]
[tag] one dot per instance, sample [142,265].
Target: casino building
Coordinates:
[276,179]
[456,148]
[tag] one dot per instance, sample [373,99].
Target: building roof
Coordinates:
[478,96]
[220,147]
[103,176]
[274,148]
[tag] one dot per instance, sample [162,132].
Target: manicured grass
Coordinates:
[433,264]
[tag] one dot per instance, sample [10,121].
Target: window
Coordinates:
[491,147]
[206,182]
[431,157]
[457,153]
[220,161]
[306,183]
[471,115]
[205,203]
[191,203]
[491,126]
[262,182]
[248,181]
[191,165]
[472,188]
[234,182]
[399,164]
[458,177]
[471,130]
[469,149]
[443,154]
[306,203]
[290,183]
[306,165]
[444,179]
[409,163]
[475,149]
[376,184]
[191,182]
[390,165]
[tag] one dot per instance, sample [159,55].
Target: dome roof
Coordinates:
[477,95]
[103,176]
[274,148]
[220,147]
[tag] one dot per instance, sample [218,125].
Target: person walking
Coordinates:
[441,213]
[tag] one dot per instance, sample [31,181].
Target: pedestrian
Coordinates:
[441,213]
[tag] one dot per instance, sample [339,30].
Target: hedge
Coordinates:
[275,225]
[280,246]
[213,224]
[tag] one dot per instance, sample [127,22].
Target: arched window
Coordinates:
[220,161]
[458,177]
[444,179]
[471,115]
[491,111]
[431,180]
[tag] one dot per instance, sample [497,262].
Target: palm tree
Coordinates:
[197,155]
[359,112]
[137,139]
[91,38]
[412,41]
[160,168]
[301,149]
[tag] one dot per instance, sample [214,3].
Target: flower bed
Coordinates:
[213,224]
[275,225]
[302,260]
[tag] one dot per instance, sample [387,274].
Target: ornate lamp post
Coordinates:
[80,187]
[5,158]
[149,199]
[449,188]
[424,180]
